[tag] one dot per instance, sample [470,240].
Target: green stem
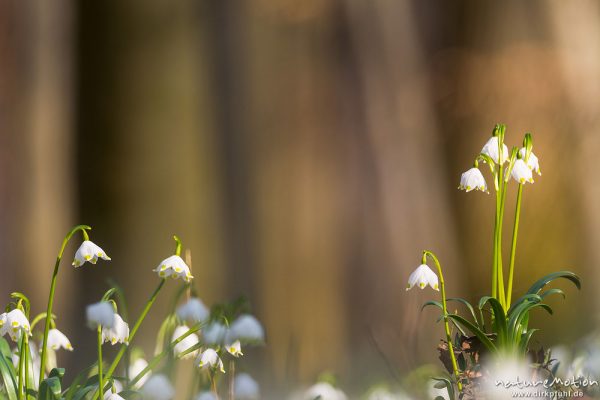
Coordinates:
[81,228]
[134,330]
[231,380]
[513,248]
[213,384]
[26,362]
[501,292]
[445,311]
[495,246]
[21,365]
[100,380]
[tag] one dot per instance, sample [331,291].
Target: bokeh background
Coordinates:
[306,152]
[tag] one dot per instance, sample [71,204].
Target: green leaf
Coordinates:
[526,338]
[469,307]
[50,389]
[553,291]
[7,370]
[80,377]
[130,395]
[536,287]
[475,330]
[445,383]
[432,303]
[499,320]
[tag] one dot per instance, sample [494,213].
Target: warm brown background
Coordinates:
[306,151]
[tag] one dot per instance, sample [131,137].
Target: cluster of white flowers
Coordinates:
[520,170]
[14,323]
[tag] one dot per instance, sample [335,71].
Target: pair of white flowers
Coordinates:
[246,328]
[114,329]
[521,171]
[173,266]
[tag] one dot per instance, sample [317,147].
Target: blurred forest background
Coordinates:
[306,152]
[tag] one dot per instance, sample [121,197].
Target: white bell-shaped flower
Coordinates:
[206,396]
[214,333]
[135,369]
[57,340]
[89,252]
[247,329]
[114,396]
[473,180]
[209,359]
[235,349]
[13,323]
[193,311]
[101,313]
[187,342]
[174,267]
[423,276]
[323,391]
[521,172]
[246,387]
[157,387]
[490,149]
[119,333]
[532,162]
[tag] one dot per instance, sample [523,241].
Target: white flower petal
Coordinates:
[235,349]
[193,311]
[188,342]
[57,340]
[206,396]
[491,150]
[247,329]
[119,333]
[214,333]
[134,370]
[521,172]
[101,313]
[246,388]
[175,267]
[158,387]
[89,252]
[473,180]
[209,359]
[324,391]
[533,162]
[14,323]
[423,276]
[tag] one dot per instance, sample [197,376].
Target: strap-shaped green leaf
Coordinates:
[475,330]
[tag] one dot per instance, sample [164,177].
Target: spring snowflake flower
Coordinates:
[323,391]
[533,162]
[13,323]
[134,370]
[193,311]
[246,387]
[113,396]
[157,387]
[174,267]
[423,276]
[473,180]
[119,333]
[214,333]
[90,252]
[521,172]
[490,149]
[57,339]
[101,313]
[209,359]
[206,396]
[247,329]
[186,343]
[235,349]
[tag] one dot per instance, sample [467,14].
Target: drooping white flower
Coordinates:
[246,387]
[101,313]
[189,341]
[209,359]
[134,370]
[111,392]
[206,396]
[57,339]
[532,162]
[193,311]
[423,276]
[473,180]
[491,149]
[157,387]
[119,333]
[13,323]
[174,267]
[324,391]
[247,329]
[235,349]
[214,333]
[521,172]
[90,252]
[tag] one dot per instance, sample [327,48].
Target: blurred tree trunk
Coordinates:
[36,106]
